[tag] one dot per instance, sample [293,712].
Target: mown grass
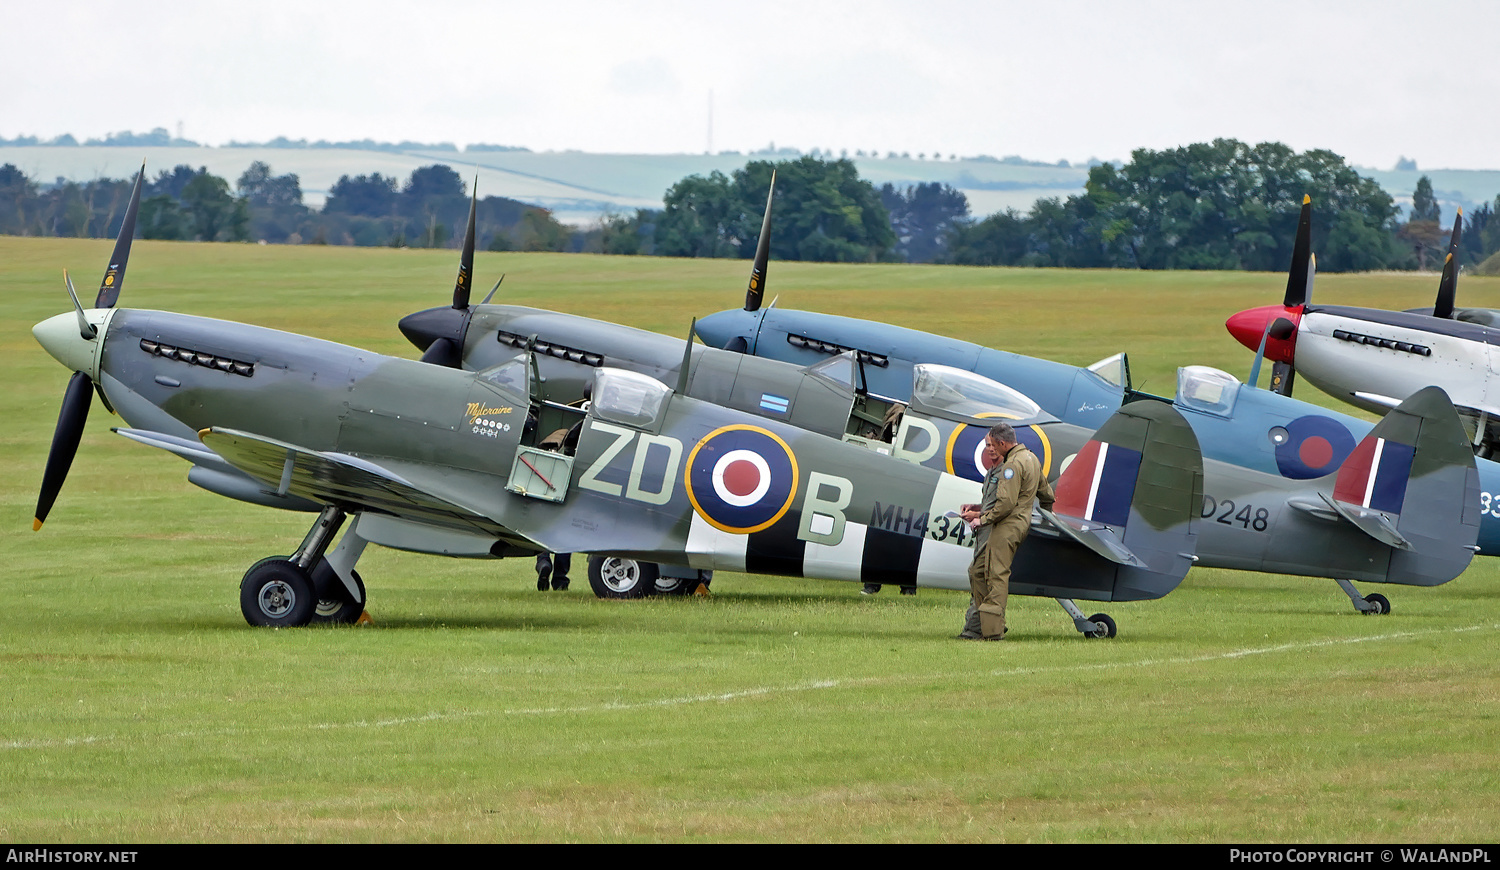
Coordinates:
[139,707]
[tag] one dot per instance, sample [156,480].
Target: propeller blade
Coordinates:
[1448,285]
[1300,276]
[85,328]
[466,260]
[687,359]
[1280,329]
[65,438]
[443,352]
[491,295]
[439,332]
[762,254]
[1282,378]
[114,276]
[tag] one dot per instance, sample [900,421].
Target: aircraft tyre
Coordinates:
[680,585]
[617,577]
[1379,604]
[1103,626]
[334,602]
[671,586]
[278,594]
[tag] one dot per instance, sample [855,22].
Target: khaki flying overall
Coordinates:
[1010,487]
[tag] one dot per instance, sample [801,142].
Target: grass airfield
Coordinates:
[1241,708]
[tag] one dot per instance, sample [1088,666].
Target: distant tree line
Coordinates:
[160,138]
[1218,205]
[823,211]
[427,210]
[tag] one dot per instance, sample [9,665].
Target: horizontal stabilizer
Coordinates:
[1372,522]
[1096,536]
[1123,526]
[1412,484]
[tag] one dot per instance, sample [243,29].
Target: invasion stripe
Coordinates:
[890,557]
[776,550]
[841,561]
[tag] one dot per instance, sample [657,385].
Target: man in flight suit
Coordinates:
[1013,481]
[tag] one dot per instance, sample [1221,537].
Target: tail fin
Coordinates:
[1132,496]
[1412,484]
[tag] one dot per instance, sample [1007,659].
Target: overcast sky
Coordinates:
[1047,79]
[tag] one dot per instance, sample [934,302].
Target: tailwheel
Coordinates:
[1098,625]
[1103,626]
[277,593]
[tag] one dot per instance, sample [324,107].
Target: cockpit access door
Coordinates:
[534,472]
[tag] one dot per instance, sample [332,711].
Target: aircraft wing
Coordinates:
[1483,421]
[348,481]
[192,451]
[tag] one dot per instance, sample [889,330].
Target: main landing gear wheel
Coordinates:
[335,604]
[1103,626]
[616,577]
[1379,604]
[277,593]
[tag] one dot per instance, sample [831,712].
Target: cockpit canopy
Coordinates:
[512,376]
[1207,389]
[957,393]
[839,369]
[629,398]
[1113,370]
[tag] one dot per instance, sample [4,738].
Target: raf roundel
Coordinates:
[965,450]
[741,478]
[1311,446]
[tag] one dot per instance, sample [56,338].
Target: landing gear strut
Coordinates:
[290,591]
[1374,604]
[1098,625]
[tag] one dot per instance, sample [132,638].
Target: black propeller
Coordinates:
[1299,279]
[1448,286]
[757,286]
[79,395]
[1299,282]
[439,332]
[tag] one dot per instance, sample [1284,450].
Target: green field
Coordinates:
[1241,708]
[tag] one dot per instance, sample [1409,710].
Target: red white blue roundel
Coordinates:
[741,478]
[1311,446]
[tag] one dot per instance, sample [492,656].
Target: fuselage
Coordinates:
[1239,427]
[1372,358]
[655,475]
[1248,522]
